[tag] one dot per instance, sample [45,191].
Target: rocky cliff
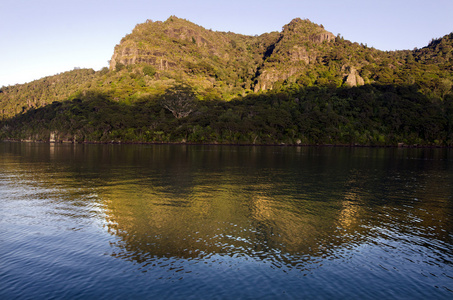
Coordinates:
[223,65]
[300,44]
[250,62]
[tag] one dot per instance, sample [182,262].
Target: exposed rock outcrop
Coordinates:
[186,48]
[300,45]
[321,37]
[353,78]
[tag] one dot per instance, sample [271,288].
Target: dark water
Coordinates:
[214,222]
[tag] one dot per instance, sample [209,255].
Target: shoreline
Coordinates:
[400,145]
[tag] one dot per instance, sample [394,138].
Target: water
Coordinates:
[223,222]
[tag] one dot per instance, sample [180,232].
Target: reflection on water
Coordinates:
[229,221]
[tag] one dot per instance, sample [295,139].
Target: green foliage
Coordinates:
[119,66]
[373,115]
[286,87]
[22,97]
[180,100]
[149,71]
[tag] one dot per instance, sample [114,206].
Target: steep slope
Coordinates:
[298,46]
[225,65]
[302,54]
[439,51]
[172,81]
[178,47]
[23,97]
[219,58]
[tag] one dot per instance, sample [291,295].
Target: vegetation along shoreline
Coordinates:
[176,82]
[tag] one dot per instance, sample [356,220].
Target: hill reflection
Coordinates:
[290,206]
[286,205]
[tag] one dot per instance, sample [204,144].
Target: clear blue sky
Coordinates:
[45,37]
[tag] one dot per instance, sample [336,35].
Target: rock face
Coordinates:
[131,56]
[321,37]
[228,61]
[258,61]
[353,78]
[300,45]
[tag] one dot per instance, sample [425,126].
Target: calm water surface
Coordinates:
[215,222]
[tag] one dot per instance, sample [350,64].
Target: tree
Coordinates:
[444,87]
[119,66]
[180,100]
[149,70]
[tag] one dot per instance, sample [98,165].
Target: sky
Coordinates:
[41,38]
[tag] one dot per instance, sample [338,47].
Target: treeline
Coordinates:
[20,98]
[222,66]
[374,115]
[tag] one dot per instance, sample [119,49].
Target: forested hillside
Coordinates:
[175,81]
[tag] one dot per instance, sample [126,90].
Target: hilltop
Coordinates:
[302,60]
[222,59]
[303,53]
[224,65]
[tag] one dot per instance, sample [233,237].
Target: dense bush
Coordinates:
[290,87]
[368,115]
